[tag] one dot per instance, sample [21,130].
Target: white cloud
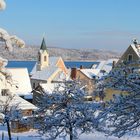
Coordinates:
[2,5]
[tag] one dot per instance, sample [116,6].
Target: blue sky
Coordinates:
[100,24]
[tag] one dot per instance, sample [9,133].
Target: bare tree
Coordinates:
[8,109]
[65,112]
[6,77]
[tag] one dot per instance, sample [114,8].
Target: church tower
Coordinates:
[43,57]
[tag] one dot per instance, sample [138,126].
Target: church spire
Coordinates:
[43,45]
[43,56]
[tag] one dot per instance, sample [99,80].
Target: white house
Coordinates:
[20,85]
[21,80]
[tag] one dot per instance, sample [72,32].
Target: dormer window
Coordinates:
[45,58]
[130,57]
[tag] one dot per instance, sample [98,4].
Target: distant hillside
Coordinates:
[30,53]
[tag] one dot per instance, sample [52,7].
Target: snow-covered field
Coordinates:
[33,135]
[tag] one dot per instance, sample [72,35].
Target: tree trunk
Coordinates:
[8,128]
[2,135]
[71,133]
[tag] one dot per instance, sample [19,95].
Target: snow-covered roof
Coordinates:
[19,102]
[50,87]
[45,73]
[53,60]
[103,64]
[21,80]
[52,63]
[107,67]
[136,48]
[100,65]
[90,73]
[97,70]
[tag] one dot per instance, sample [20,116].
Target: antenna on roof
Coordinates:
[135,41]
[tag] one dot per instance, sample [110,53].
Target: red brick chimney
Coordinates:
[73,73]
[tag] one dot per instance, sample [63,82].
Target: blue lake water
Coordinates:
[21,64]
[30,64]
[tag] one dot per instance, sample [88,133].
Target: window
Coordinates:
[39,58]
[4,92]
[130,57]
[45,58]
[33,85]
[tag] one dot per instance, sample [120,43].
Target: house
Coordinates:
[18,109]
[14,83]
[21,84]
[131,56]
[130,59]
[88,77]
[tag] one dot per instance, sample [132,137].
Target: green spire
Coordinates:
[43,45]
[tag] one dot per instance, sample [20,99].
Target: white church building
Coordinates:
[48,71]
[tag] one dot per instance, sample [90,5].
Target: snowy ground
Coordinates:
[33,135]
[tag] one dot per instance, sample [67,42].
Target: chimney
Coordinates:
[81,66]
[113,64]
[73,73]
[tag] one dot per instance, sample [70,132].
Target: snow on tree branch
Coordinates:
[9,110]
[10,40]
[99,88]
[2,5]
[65,112]
[122,114]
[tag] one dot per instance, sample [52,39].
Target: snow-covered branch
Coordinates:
[65,112]
[122,113]
[2,5]
[10,41]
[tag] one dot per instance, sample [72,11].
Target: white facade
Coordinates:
[20,82]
